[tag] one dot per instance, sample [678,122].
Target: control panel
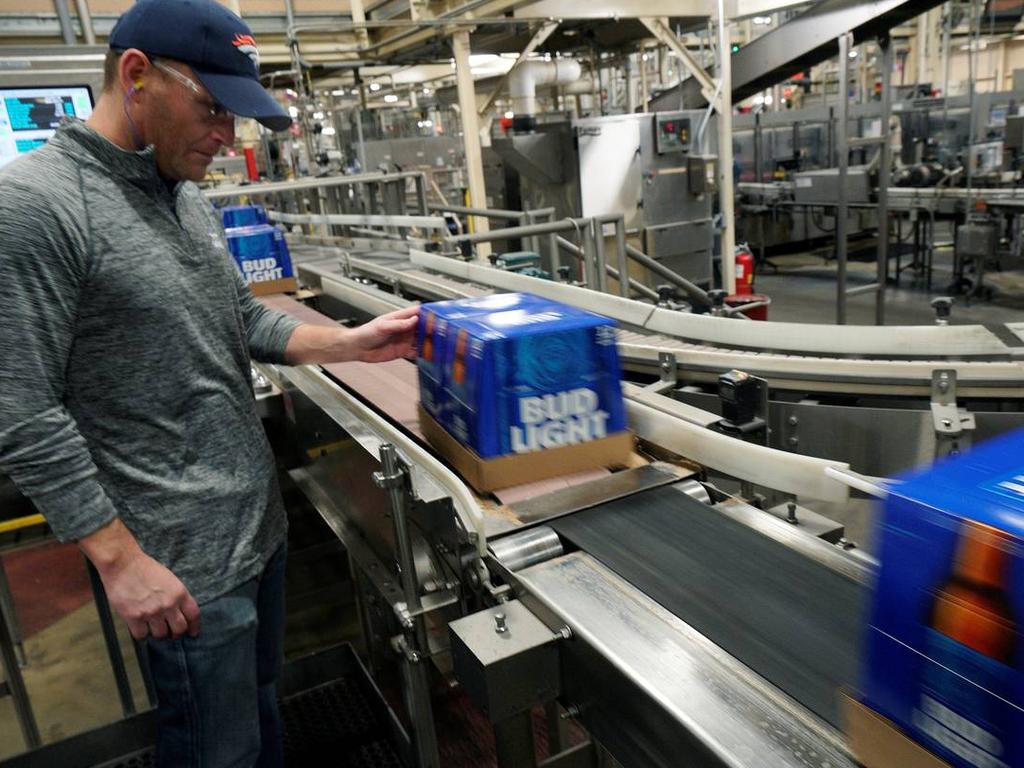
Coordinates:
[672,133]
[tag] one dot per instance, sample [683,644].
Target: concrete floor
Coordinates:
[68,675]
[803,290]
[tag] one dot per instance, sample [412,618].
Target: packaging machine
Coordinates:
[701,604]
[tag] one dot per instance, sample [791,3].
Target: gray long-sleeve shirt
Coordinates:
[125,338]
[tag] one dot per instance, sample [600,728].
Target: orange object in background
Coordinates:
[972,607]
[459,364]
[250,164]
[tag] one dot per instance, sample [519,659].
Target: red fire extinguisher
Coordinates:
[744,271]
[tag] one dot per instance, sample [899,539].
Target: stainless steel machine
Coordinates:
[700,606]
[657,170]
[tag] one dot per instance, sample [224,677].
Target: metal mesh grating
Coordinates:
[333,723]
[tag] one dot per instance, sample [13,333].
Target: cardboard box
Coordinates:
[877,743]
[268,287]
[261,255]
[506,471]
[942,656]
[432,347]
[538,377]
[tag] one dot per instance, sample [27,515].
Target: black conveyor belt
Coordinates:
[785,604]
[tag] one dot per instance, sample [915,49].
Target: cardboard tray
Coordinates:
[267,287]
[877,743]
[505,471]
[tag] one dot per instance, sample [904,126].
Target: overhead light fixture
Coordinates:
[426,91]
[339,92]
[294,112]
[852,54]
[328,131]
[318,115]
[510,114]
[390,98]
[374,86]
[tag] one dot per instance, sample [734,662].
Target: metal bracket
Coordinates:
[953,425]
[429,602]
[668,374]
[667,368]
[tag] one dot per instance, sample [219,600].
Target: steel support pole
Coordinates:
[724,109]
[597,232]
[843,152]
[124,689]
[623,257]
[16,687]
[359,20]
[67,31]
[8,614]
[645,95]
[513,741]
[471,135]
[882,273]
[85,19]
[393,478]
[360,142]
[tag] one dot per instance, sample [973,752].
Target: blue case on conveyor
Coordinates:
[260,252]
[243,215]
[539,376]
[431,347]
[944,650]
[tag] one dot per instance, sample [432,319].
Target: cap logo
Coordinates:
[247,45]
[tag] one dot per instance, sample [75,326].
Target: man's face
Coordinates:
[182,124]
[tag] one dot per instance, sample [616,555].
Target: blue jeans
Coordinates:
[217,696]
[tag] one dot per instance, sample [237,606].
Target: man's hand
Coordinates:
[387,337]
[384,338]
[151,599]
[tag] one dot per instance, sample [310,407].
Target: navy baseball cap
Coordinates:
[208,37]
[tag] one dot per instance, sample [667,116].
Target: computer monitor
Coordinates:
[29,116]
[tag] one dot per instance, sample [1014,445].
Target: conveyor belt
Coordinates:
[704,360]
[392,389]
[785,604]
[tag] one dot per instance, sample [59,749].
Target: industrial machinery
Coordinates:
[700,605]
[657,170]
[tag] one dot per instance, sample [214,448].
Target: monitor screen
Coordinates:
[29,116]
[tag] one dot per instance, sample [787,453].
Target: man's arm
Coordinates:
[387,337]
[150,598]
[43,265]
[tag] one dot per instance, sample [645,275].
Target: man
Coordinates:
[126,411]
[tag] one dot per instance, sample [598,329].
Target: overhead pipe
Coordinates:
[67,31]
[85,19]
[523,82]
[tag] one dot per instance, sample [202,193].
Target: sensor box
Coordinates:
[943,650]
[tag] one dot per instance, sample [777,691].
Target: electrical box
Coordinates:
[672,133]
[701,174]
